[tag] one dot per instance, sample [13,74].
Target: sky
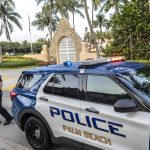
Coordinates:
[25,7]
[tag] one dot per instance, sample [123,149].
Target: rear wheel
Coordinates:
[37,134]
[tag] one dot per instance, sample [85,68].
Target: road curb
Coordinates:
[9,145]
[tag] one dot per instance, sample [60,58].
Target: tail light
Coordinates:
[13,95]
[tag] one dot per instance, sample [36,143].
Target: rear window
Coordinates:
[63,85]
[27,81]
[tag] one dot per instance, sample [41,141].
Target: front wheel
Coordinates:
[37,134]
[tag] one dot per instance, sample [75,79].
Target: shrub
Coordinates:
[147,62]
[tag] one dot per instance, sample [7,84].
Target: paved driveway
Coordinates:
[10,78]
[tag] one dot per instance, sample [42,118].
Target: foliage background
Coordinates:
[131,31]
[21,48]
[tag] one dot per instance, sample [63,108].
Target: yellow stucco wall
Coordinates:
[42,57]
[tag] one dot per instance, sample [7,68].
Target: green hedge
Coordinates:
[17,61]
[141,61]
[19,57]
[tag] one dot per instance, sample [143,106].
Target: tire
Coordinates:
[36,134]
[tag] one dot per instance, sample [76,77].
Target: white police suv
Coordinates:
[96,104]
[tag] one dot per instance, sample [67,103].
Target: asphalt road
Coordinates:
[12,136]
[10,78]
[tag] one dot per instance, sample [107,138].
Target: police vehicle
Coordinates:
[96,104]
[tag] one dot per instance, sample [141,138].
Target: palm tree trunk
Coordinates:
[8,35]
[92,18]
[101,38]
[116,7]
[49,30]
[9,38]
[51,17]
[1,54]
[92,12]
[91,27]
[87,16]
[73,20]
[149,4]
[6,29]
[131,46]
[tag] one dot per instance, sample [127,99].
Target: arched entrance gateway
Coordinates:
[67,50]
[66,43]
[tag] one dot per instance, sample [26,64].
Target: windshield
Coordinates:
[140,79]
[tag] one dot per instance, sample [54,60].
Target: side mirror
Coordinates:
[125,105]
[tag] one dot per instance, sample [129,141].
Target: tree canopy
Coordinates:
[131,31]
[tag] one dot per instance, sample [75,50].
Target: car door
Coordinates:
[106,129]
[58,102]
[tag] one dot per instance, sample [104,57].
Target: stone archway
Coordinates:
[65,30]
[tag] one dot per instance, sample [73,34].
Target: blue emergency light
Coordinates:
[67,63]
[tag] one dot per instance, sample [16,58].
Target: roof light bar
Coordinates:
[102,60]
[95,61]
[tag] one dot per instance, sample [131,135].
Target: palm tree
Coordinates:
[61,8]
[113,4]
[8,17]
[43,21]
[9,3]
[74,7]
[54,7]
[100,22]
[93,36]
[95,4]
[64,7]
[50,4]
[25,45]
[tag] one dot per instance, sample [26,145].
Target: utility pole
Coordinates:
[30,34]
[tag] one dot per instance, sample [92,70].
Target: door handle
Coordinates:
[43,98]
[92,110]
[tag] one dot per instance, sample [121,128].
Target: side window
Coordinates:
[28,80]
[102,89]
[49,86]
[66,85]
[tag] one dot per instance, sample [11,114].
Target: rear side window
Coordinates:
[49,86]
[63,85]
[28,80]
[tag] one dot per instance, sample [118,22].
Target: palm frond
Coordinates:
[10,26]
[79,13]
[15,21]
